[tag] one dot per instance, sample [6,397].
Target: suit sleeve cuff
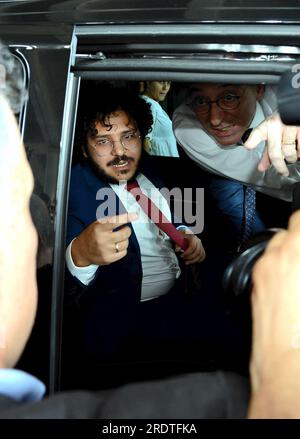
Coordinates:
[84,274]
[182,227]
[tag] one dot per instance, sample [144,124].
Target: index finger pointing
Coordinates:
[111,222]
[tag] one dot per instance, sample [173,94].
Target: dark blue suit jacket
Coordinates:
[112,298]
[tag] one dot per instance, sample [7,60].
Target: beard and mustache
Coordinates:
[100,172]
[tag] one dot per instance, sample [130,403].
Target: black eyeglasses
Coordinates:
[104,146]
[228,101]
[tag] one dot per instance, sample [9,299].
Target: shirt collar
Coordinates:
[21,386]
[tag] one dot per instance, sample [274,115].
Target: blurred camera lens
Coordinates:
[237,279]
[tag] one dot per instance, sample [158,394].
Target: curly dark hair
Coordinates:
[98,101]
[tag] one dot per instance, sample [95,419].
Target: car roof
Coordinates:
[139,11]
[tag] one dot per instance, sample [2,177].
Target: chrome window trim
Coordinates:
[63,181]
[62,196]
[160,68]
[187,52]
[26,79]
[183,32]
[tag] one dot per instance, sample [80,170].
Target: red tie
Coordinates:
[156,215]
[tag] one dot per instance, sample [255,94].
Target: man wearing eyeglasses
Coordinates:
[211,128]
[124,271]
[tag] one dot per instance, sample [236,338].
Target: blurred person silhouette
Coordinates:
[275,360]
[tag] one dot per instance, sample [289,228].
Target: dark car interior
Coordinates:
[203,43]
[179,172]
